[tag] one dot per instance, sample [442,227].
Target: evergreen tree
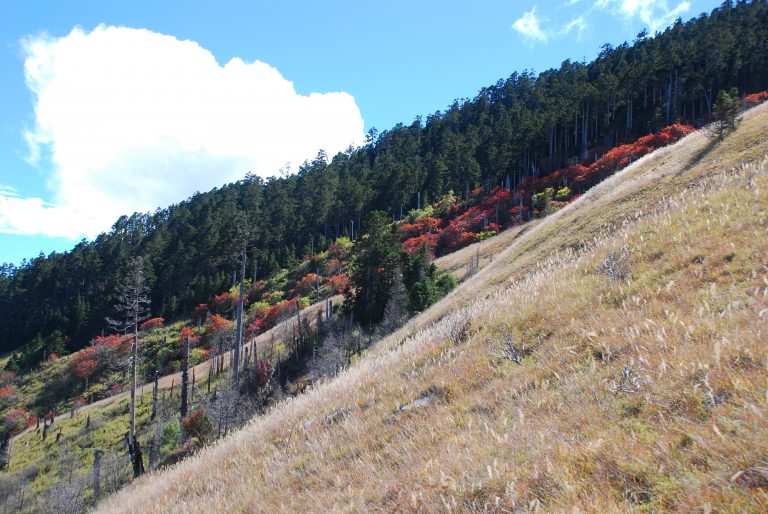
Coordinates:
[726,111]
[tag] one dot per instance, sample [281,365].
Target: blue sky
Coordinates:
[111,107]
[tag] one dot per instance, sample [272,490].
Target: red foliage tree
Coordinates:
[16,420]
[333,266]
[338,283]
[188,332]
[201,311]
[754,99]
[6,377]
[152,324]
[307,284]
[7,396]
[85,368]
[415,244]
[255,327]
[336,251]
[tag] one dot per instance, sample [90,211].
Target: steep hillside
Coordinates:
[522,127]
[610,358]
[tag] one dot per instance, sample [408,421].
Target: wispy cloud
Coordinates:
[532,30]
[528,27]
[8,191]
[577,24]
[132,120]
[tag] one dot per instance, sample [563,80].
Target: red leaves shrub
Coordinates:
[197,424]
[216,323]
[336,251]
[201,311]
[422,226]
[7,396]
[280,312]
[254,328]
[85,368]
[754,99]
[268,317]
[188,332]
[307,284]
[619,157]
[486,212]
[227,301]
[103,350]
[416,244]
[152,324]
[333,266]
[16,420]
[6,377]
[262,372]
[338,283]
[222,303]
[103,346]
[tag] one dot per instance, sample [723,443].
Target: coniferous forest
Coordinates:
[526,125]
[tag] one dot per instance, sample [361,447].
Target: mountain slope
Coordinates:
[642,390]
[521,127]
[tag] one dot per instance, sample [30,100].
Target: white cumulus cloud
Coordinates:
[653,14]
[132,120]
[529,27]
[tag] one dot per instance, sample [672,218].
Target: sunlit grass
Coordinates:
[646,393]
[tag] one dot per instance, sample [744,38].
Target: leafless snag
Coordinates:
[615,266]
[510,349]
[629,382]
[132,308]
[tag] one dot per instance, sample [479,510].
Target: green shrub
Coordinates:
[415,215]
[541,200]
[171,437]
[197,355]
[563,194]
[255,307]
[446,283]
[481,236]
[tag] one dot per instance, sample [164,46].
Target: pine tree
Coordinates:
[394,311]
[726,111]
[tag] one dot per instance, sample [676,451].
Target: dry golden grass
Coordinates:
[646,393]
[458,262]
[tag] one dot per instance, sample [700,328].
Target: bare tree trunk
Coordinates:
[239,329]
[96,472]
[5,451]
[134,355]
[154,396]
[185,379]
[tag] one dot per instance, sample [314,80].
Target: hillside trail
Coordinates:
[201,370]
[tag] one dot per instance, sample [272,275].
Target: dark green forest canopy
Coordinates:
[524,125]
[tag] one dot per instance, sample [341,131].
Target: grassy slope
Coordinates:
[553,432]
[109,421]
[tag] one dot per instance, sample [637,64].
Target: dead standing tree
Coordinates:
[132,308]
[185,380]
[239,327]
